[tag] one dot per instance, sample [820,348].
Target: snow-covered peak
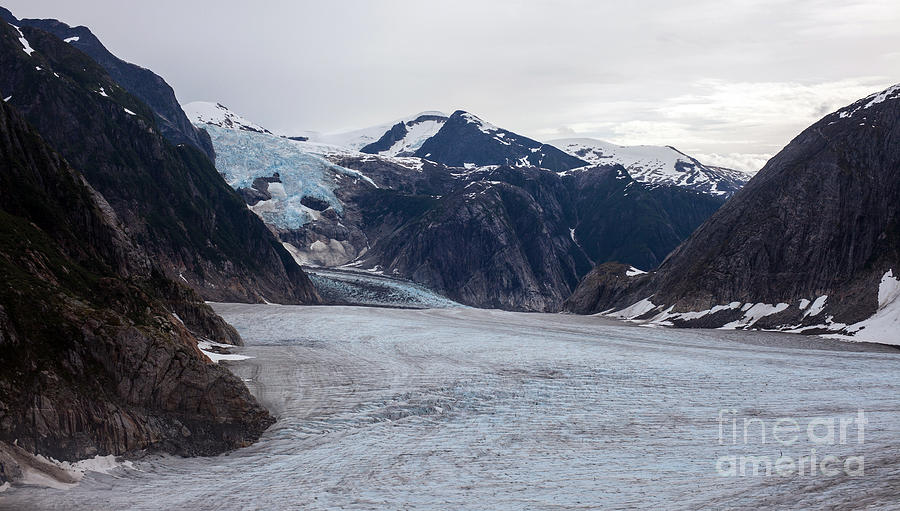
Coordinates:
[891,93]
[657,165]
[483,125]
[216,114]
[357,139]
[405,137]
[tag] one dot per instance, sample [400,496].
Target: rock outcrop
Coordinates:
[98,348]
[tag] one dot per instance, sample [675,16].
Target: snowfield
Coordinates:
[477,409]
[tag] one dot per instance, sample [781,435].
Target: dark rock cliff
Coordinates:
[142,83]
[94,359]
[510,238]
[171,199]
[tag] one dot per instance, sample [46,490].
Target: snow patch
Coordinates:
[129,112]
[884,325]
[754,314]
[635,310]
[25,46]
[817,306]
[71,39]
[216,114]
[633,272]
[357,139]
[206,347]
[892,92]
[417,134]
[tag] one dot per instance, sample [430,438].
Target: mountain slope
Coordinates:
[144,84]
[94,360]
[811,244]
[657,165]
[171,199]
[405,137]
[215,114]
[466,140]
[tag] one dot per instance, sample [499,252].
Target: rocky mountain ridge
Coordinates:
[144,84]
[658,165]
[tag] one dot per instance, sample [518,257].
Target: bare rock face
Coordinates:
[510,238]
[171,199]
[141,82]
[822,218]
[95,358]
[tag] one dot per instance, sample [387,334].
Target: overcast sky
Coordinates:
[728,81]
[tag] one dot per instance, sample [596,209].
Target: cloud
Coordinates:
[707,76]
[750,163]
[741,121]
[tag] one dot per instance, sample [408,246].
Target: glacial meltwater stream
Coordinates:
[475,409]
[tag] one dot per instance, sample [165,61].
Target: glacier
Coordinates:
[242,156]
[461,408]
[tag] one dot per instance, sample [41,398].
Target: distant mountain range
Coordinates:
[471,210]
[658,165]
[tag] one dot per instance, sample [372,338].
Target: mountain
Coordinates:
[95,359]
[495,236]
[405,137]
[657,165]
[142,83]
[171,199]
[215,114]
[811,244]
[425,123]
[465,140]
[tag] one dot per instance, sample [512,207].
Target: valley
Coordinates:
[436,409]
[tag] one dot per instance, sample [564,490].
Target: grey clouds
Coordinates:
[728,81]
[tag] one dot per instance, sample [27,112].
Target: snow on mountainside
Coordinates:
[891,93]
[657,165]
[357,139]
[203,113]
[405,137]
[465,140]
